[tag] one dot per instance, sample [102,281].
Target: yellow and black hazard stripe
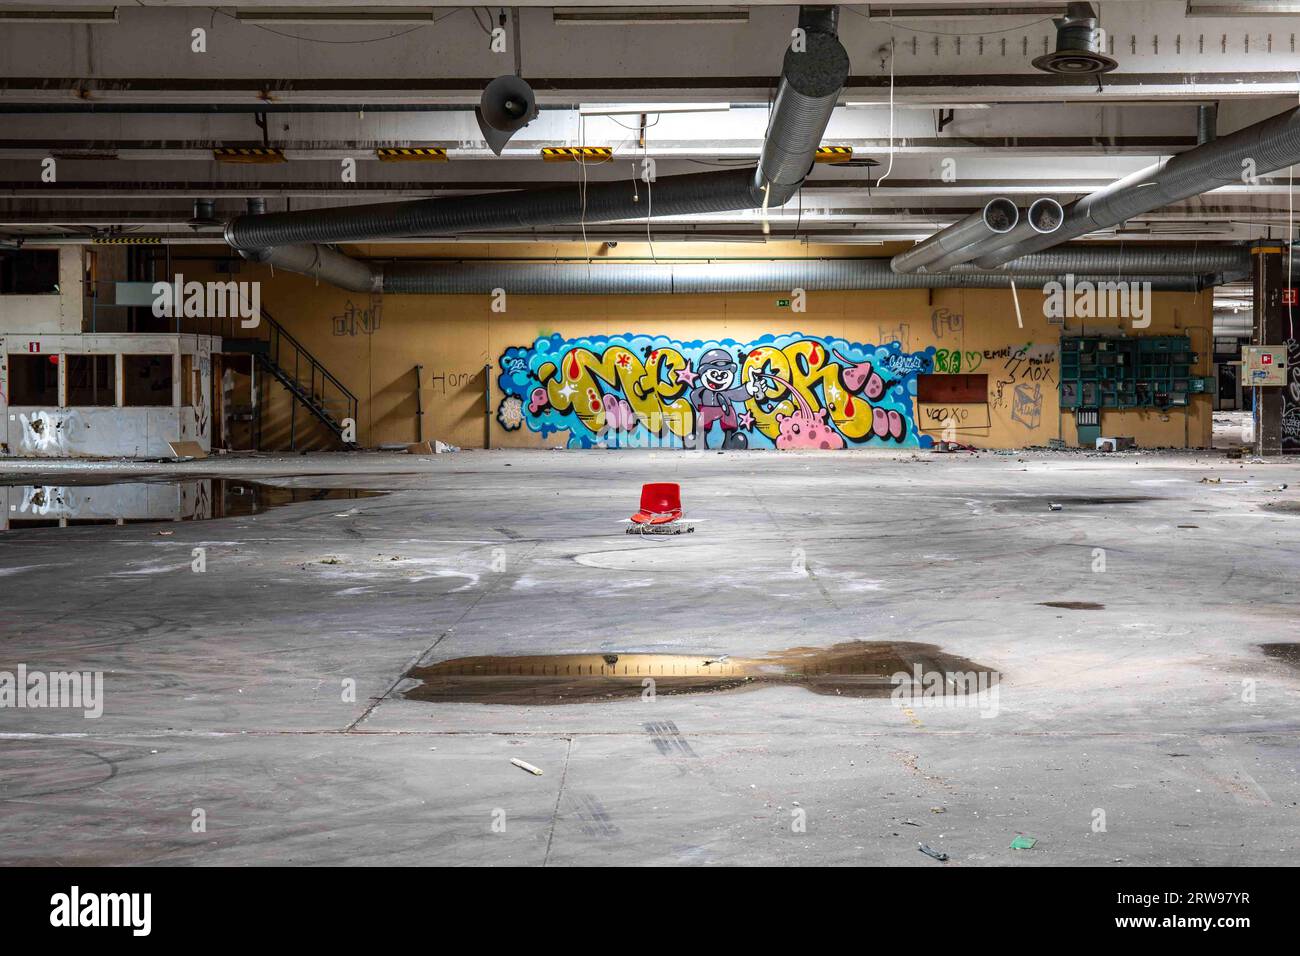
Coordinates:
[126,241]
[834,154]
[412,154]
[577,154]
[248,154]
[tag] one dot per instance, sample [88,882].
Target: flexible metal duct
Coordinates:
[810,83]
[998,217]
[688,195]
[825,275]
[1043,216]
[1264,147]
[1131,259]
[324,264]
[1169,269]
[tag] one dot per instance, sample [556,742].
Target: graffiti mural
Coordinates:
[1291,400]
[786,392]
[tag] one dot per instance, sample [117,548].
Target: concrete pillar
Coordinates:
[1276,410]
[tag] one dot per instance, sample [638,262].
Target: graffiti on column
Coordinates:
[1291,399]
[786,392]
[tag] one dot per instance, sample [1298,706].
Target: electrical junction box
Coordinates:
[1263,364]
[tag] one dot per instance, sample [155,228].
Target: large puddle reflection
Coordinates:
[852,669]
[129,502]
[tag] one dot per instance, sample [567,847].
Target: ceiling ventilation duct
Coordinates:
[1079,44]
[1264,147]
[998,217]
[818,275]
[811,81]
[1043,216]
[1172,269]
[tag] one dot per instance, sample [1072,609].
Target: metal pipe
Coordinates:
[999,216]
[1043,215]
[1261,148]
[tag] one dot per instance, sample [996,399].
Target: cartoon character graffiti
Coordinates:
[779,391]
[713,397]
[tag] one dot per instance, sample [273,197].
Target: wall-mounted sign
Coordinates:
[1264,364]
[1291,296]
[783,303]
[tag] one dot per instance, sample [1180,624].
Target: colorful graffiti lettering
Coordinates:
[785,392]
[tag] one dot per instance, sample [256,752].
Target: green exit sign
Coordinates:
[783,303]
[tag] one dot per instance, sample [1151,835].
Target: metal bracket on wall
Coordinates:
[419,406]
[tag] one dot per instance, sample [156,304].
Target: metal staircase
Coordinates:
[286,360]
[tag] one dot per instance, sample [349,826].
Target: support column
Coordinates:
[1276,410]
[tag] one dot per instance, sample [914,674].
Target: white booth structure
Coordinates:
[104,395]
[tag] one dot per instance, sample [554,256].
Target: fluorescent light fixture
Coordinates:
[855,104]
[58,16]
[646,16]
[887,11]
[1257,8]
[379,16]
[636,109]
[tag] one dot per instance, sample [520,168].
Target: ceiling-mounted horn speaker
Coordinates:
[1078,45]
[507,106]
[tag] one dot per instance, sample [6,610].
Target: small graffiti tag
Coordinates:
[355,321]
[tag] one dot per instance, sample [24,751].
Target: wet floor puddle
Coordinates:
[1287,653]
[30,506]
[1034,503]
[852,669]
[1074,605]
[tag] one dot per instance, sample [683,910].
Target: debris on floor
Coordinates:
[931,851]
[525,765]
[1023,843]
[434,447]
[1053,506]
[1115,443]
[186,450]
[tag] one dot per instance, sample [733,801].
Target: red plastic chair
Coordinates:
[661,502]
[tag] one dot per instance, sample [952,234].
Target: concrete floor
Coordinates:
[223,689]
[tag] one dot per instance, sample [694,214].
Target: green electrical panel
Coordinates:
[1113,371]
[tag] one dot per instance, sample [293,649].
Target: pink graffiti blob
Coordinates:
[805,428]
[538,400]
[860,375]
[619,414]
[887,424]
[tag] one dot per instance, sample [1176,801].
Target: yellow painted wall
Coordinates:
[455,337]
